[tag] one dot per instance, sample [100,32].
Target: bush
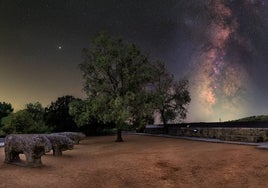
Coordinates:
[23,122]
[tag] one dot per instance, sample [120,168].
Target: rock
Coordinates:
[74,136]
[33,146]
[59,143]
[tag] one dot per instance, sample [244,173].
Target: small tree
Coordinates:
[171,97]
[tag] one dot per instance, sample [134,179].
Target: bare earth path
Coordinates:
[143,161]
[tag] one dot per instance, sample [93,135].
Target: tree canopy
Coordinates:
[57,115]
[5,109]
[23,121]
[124,87]
[171,96]
[115,74]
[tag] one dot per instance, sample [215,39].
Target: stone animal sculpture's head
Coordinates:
[67,143]
[74,136]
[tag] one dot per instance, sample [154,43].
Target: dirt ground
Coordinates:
[144,161]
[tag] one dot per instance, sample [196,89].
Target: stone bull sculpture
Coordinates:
[33,146]
[74,136]
[59,143]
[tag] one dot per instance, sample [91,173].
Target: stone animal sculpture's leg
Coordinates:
[11,156]
[57,151]
[33,161]
[29,158]
[37,162]
[36,154]
[15,156]
[8,156]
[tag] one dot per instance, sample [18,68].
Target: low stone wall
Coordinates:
[232,134]
[222,133]
[154,129]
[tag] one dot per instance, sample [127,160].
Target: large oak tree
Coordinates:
[116,75]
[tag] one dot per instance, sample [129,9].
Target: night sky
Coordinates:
[219,45]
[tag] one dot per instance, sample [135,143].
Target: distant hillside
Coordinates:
[253,118]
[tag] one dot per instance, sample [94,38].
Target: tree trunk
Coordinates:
[119,136]
[163,117]
[164,122]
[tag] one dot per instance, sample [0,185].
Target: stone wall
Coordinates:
[154,129]
[243,134]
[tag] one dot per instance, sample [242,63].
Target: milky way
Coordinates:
[220,80]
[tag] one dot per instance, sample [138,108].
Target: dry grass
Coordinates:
[143,161]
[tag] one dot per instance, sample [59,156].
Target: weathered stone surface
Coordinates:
[33,146]
[59,143]
[74,136]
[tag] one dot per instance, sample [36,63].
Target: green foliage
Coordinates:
[119,112]
[125,88]
[171,97]
[5,109]
[36,110]
[115,74]
[23,122]
[82,112]
[85,115]
[57,115]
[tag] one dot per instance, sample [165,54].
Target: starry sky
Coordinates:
[219,45]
